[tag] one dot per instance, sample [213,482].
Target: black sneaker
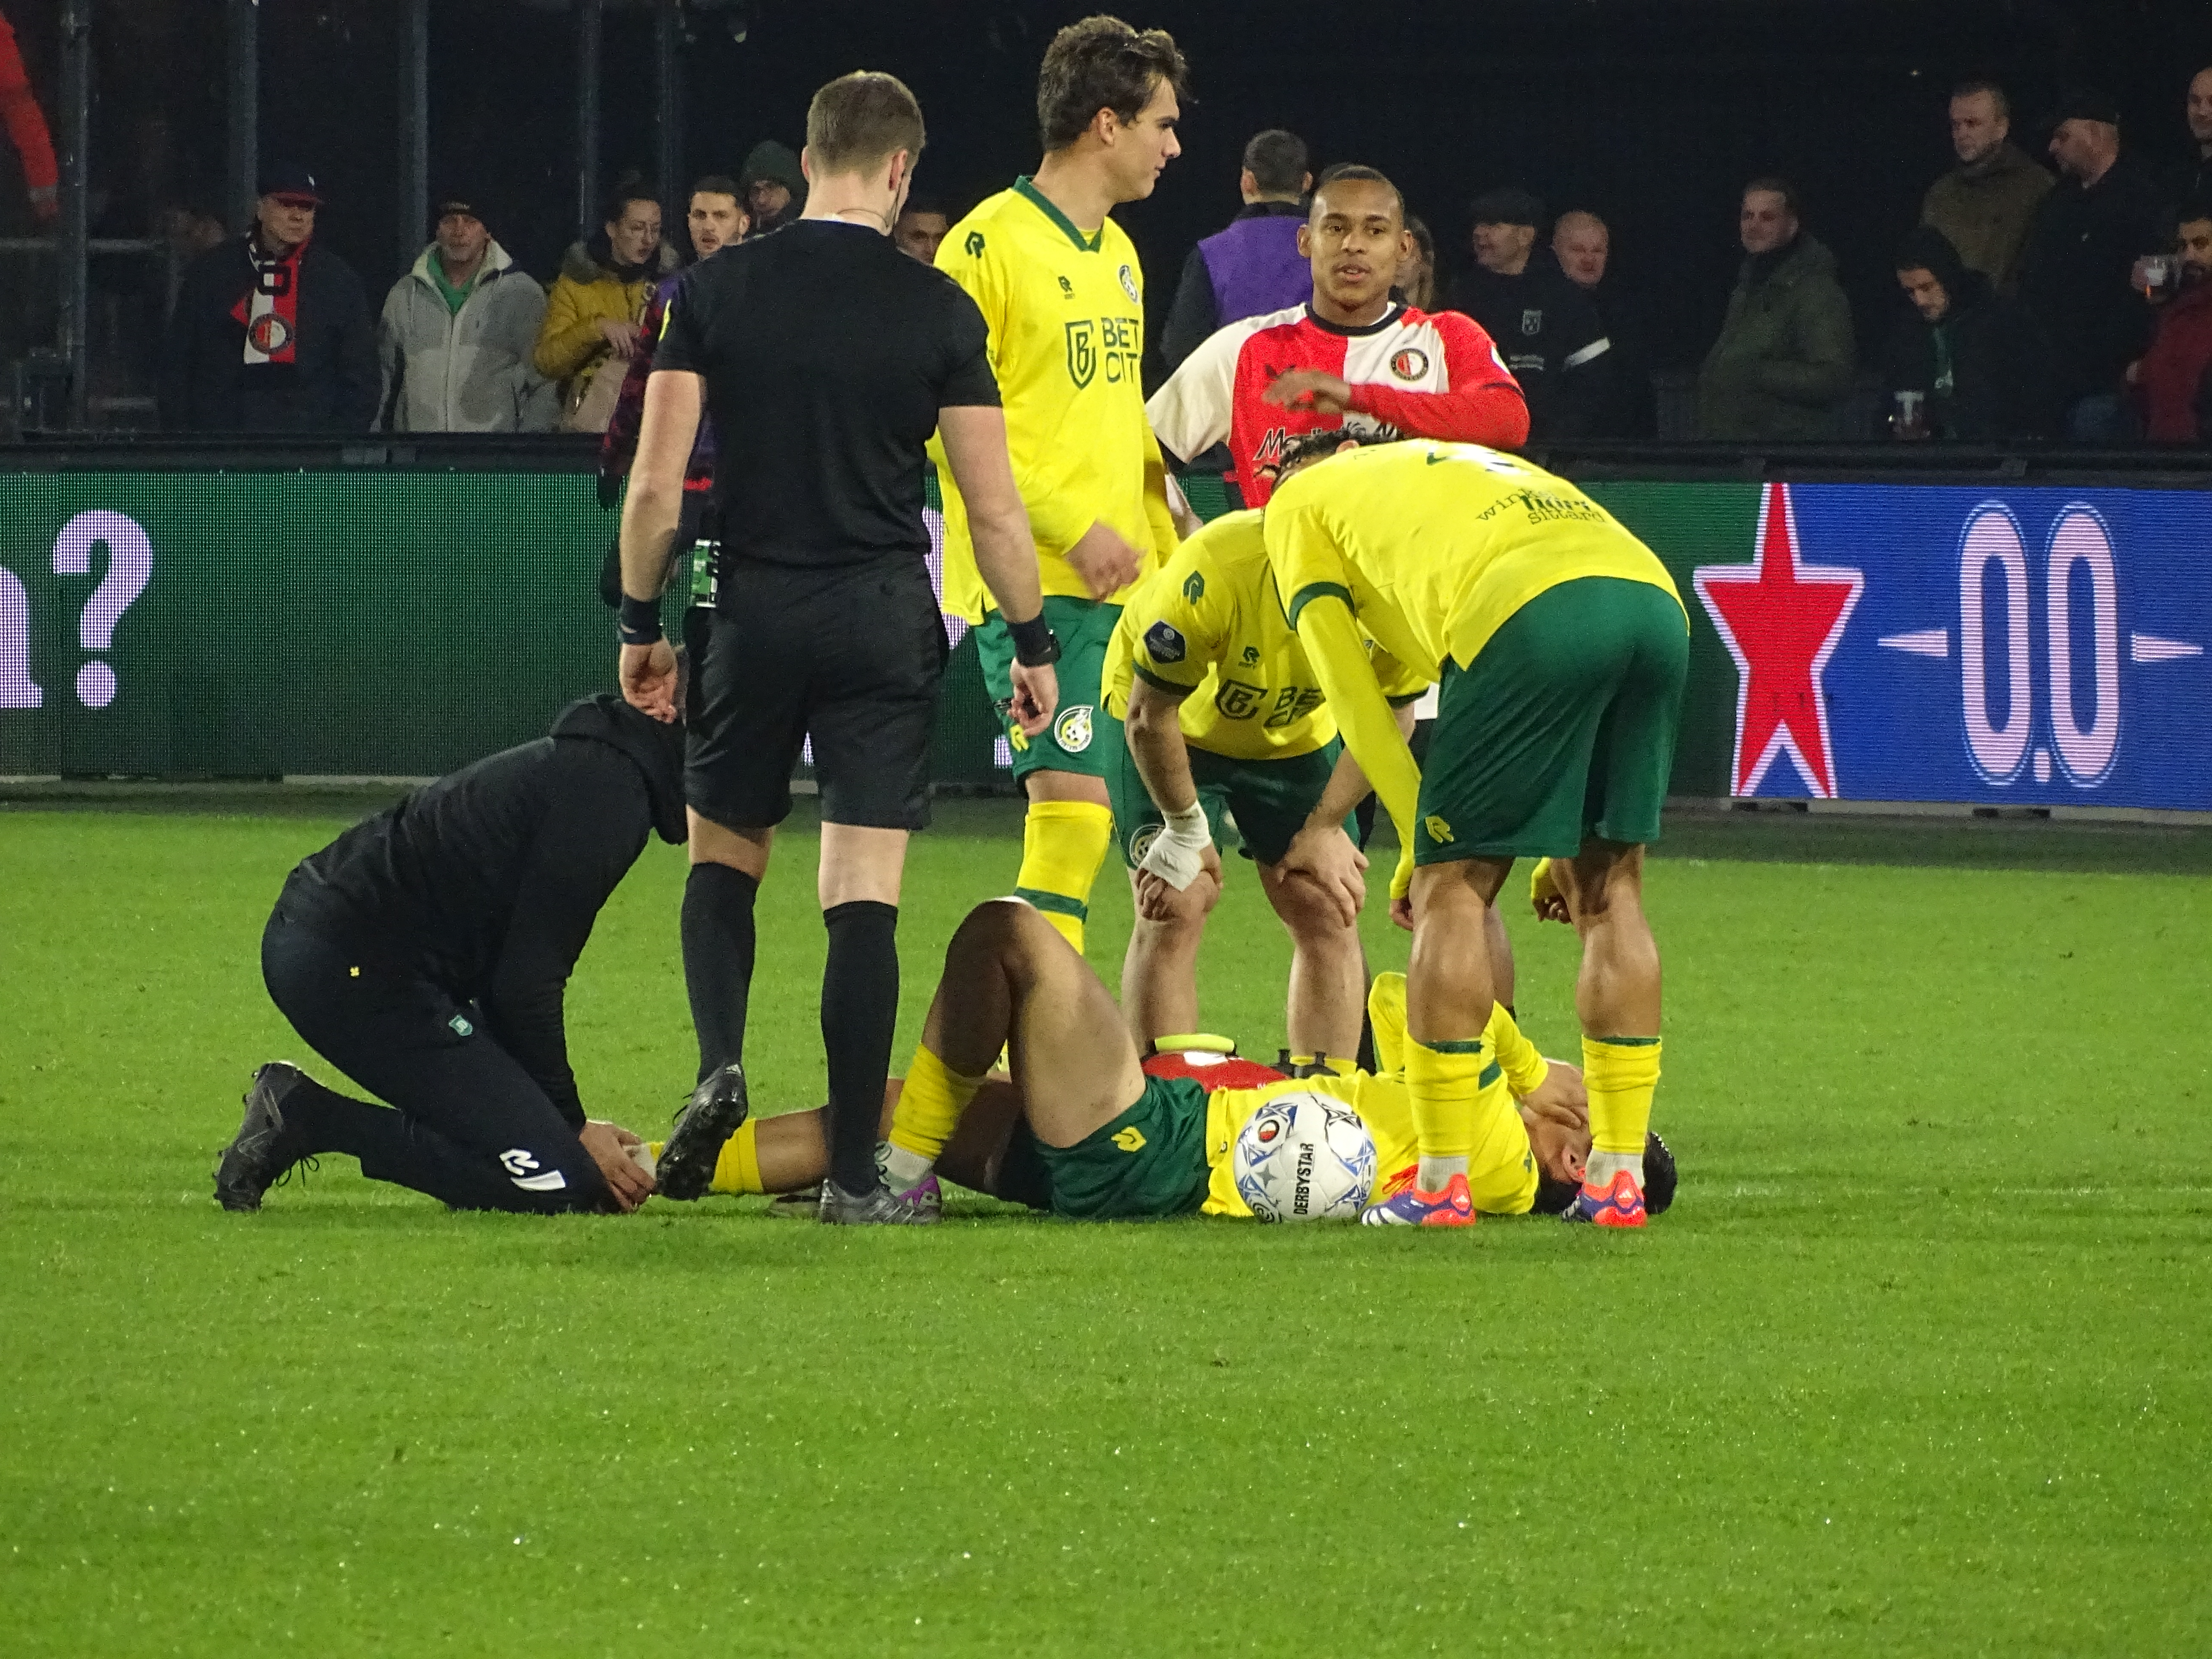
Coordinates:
[262,1152]
[878,1206]
[715,1111]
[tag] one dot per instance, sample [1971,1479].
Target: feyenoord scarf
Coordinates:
[271,309]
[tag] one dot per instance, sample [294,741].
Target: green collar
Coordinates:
[1037,198]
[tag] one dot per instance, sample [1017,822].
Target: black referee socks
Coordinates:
[718,960]
[860,1007]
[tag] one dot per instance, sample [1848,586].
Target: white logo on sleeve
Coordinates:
[520,1167]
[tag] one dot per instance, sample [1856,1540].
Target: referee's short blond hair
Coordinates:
[860,120]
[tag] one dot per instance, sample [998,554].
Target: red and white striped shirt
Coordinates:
[1413,374]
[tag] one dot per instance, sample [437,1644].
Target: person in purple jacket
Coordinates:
[1254,266]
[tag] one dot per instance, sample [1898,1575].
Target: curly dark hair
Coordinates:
[1102,63]
[1660,1181]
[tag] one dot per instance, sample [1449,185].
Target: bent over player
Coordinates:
[1084,1127]
[425,952]
[1350,357]
[1560,644]
[1062,290]
[1212,711]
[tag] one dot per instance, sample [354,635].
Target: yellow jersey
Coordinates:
[1504,1180]
[1433,545]
[1066,318]
[1209,623]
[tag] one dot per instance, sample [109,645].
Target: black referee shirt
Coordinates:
[827,354]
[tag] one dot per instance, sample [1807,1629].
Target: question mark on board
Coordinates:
[130,563]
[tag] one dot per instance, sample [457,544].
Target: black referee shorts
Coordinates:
[850,656]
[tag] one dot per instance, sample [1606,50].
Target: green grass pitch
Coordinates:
[1917,1365]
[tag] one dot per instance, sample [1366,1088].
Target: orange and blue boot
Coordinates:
[1619,1203]
[1410,1207]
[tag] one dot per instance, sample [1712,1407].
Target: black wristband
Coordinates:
[1035,643]
[641,621]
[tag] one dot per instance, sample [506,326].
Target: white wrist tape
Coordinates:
[1175,852]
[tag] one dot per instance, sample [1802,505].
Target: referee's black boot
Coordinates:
[717,1108]
[263,1150]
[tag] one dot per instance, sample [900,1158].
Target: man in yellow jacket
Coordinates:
[591,314]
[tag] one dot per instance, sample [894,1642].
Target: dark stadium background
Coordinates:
[1652,112]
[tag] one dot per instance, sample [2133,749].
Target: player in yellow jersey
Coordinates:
[1086,1129]
[1560,645]
[1060,288]
[1211,709]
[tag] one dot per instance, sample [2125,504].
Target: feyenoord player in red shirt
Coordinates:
[1351,356]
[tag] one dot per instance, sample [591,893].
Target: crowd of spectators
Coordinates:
[2067,302]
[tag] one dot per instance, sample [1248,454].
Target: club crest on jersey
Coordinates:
[1531,320]
[1164,643]
[1141,843]
[1411,364]
[1072,733]
[1129,283]
[1082,351]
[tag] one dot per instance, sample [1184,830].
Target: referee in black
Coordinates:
[827,358]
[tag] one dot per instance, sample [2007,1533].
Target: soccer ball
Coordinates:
[1304,1156]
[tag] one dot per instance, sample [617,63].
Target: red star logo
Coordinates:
[1781,620]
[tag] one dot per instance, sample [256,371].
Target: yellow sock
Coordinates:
[1386,1017]
[1464,1115]
[737,1166]
[929,1106]
[1620,1074]
[1063,844]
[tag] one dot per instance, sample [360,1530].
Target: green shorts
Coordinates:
[1269,799]
[1069,743]
[1149,1163]
[1561,728]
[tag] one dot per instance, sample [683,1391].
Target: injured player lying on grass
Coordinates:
[1088,1129]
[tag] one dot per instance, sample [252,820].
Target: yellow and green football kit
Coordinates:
[1435,550]
[1169,1153]
[1209,627]
[1066,315]
[1561,645]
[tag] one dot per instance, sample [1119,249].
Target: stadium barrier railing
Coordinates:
[1896,624]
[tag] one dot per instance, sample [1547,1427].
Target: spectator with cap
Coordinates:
[459,333]
[1582,244]
[1783,364]
[1984,205]
[920,227]
[2074,275]
[772,185]
[2172,385]
[271,332]
[1975,356]
[1544,325]
[1253,266]
[597,301]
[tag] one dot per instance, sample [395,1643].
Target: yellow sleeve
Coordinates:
[1165,538]
[570,333]
[1339,656]
[1525,1069]
[1175,624]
